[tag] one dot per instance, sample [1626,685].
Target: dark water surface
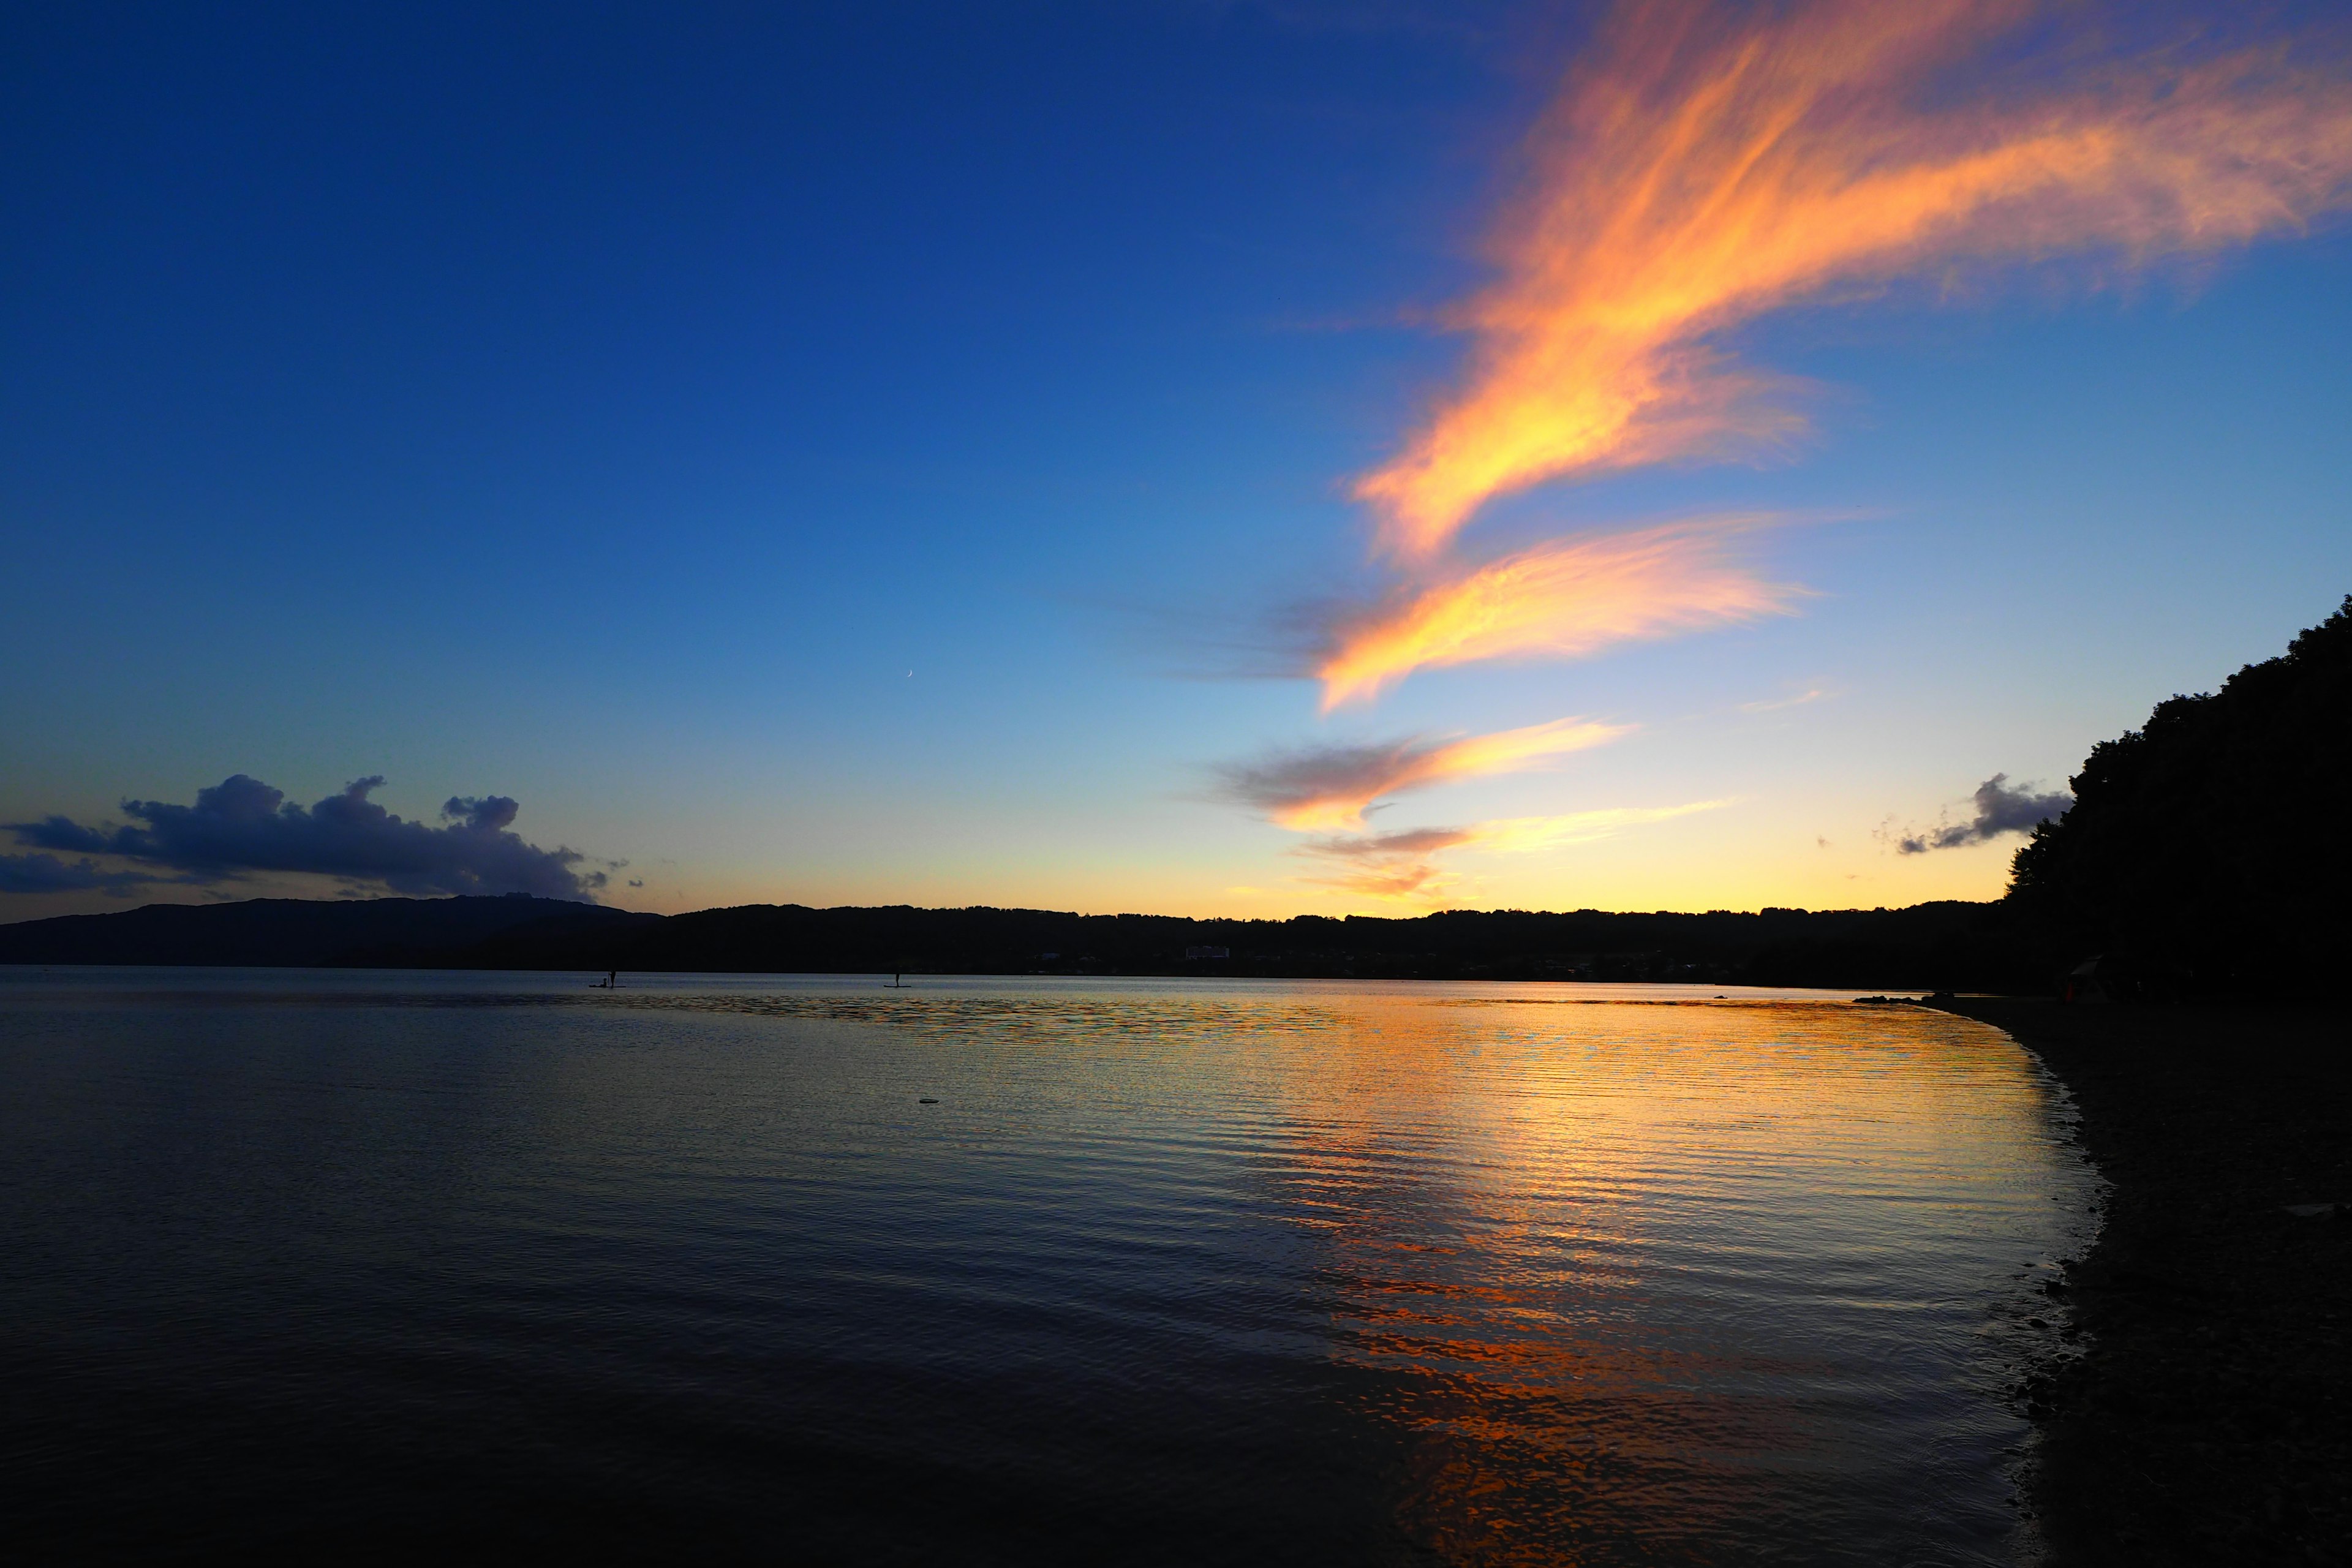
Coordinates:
[382,1265]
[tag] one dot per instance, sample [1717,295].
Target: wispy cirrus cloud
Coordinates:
[1704,166]
[1774,704]
[1404,865]
[1561,599]
[1708,165]
[1327,787]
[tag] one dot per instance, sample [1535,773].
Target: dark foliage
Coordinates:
[2208,848]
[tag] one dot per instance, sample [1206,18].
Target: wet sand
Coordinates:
[2203,1413]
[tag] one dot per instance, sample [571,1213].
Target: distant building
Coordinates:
[1208,952]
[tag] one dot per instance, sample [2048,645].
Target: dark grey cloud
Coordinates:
[2000,810]
[48,874]
[489,814]
[242,826]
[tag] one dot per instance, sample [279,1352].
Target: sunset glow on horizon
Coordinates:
[1218,460]
[1401,865]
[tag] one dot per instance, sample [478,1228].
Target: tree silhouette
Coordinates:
[2212,846]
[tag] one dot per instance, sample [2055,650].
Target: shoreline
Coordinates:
[2204,1412]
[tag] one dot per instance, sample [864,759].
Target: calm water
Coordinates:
[378,1264]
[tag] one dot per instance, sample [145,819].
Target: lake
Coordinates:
[370,1264]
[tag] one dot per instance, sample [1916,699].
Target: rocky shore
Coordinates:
[2204,1414]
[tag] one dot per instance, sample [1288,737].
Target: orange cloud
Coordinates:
[1704,166]
[1331,786]
[1402,865]
[1561,599]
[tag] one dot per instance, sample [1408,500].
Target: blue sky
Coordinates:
[610,407]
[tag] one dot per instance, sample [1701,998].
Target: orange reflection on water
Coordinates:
[1584,1279]
[1620,1271]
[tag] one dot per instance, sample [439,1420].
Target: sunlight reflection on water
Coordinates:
[1010,1270]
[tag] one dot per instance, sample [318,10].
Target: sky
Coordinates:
[1190,456]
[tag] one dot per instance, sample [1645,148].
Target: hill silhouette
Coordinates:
[302,932]
[1929,945]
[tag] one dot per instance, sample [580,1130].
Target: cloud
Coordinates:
[48,874]
[1388,846]
[1401,879]
[1332,786]
[242,826]
[1568,597]
[1811,694]
[490,814]
[2000,810]
[1705,164]
[1521,835]
[1402,865]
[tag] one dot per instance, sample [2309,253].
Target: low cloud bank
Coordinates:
[48,874]
[2000,810]
[242,826]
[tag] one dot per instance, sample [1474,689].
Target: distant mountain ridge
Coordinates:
[1941,944]
[301,932]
